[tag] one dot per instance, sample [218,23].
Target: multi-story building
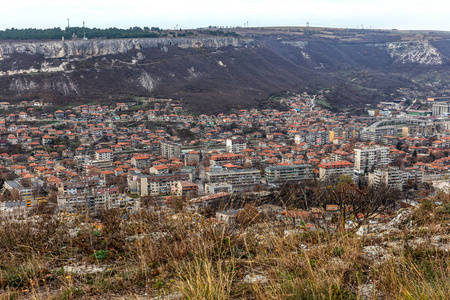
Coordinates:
[192,158]
[239,179]
[104,154]
[413,175]
[106,198]
[235,145]
[185,189]
[169,149]
[228,158]
[394,127]
[73,188]
[335,169]
[26,193]
[441,108]
[419,130]
[340,155]
[141,161]
[313,137]
[375,134]
[91,200]
[102,165]
[343,133]
[13,209]
[144,185]
[366,158]
[74,196]
[288,173]
[392,177]
[214,188]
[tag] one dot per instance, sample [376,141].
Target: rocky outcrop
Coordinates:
[414,52]
[100,47]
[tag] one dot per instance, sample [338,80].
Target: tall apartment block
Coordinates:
[367,158]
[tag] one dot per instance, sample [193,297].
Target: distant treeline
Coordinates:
[67,33]
[91,33]
[220,33]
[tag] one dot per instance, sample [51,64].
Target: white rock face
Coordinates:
[75,50]
[414,52]
[147,81]
[193,74]
[22,85]
[105,47]
[299,44]
[65,86]
[306,55]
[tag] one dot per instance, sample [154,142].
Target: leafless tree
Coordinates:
[358,203]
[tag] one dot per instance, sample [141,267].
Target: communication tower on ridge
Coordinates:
[84,33]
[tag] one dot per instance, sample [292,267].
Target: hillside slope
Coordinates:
[212,74]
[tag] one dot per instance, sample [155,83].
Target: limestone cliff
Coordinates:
[414,52]
[101,47]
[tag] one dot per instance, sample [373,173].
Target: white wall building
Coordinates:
[367,158]
[335,168]
[235,145]
[104,154]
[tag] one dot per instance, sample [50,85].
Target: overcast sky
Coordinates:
[385,14]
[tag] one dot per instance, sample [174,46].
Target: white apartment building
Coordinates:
[392,177]
[169,149]
[104,154]
[235,145]
[240,179]
[107,198]
[441,108]
[214,188]
[335,168]
[144,185]
[369,157]
[289,173]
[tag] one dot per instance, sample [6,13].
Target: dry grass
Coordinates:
[161,254]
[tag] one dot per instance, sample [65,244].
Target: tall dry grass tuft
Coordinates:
[203,278]
[422,272]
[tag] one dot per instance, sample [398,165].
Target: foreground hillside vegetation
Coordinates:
[185,256]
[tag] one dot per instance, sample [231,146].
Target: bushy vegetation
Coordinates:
[57,33]
[220,33]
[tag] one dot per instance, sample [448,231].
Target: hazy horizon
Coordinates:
[381,14]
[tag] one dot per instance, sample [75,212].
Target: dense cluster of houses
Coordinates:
[92,157]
